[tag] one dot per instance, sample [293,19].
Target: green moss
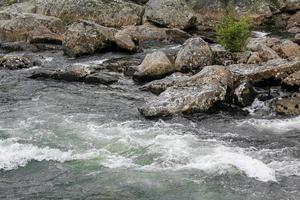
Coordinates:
[233,34]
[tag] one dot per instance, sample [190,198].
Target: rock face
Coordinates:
[30,28]
[86,37]
[107,13]
[277,69]
[170,13]
[194,55]
[287,105]
[154,66]
[198,93]
[15,62]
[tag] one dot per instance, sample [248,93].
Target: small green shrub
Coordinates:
[233,34]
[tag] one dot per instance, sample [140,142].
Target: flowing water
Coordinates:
[62,140]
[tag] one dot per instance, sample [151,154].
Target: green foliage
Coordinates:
[233,34]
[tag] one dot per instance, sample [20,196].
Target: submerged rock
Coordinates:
[198,93]
[76,72]
[287,105]
[170,13]
[86,37]
[14,62]
[105,78]
[155,66]
[194,55]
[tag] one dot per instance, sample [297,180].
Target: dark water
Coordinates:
[62,140]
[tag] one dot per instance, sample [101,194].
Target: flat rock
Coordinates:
[277,69]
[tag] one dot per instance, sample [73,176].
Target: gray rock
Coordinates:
[170,13]
[197,94]
[194,55]
[277,69]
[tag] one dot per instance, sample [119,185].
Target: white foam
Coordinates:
[277,126]
[14,154]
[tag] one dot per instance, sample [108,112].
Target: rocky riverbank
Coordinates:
[198,76]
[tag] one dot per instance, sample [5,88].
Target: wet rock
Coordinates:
[155,66]
[86,37]
[106,13]
[17,46]
[170,13]
[292,80]
[14,62]
[277,69]
[194,55]
[29,27]
[197,94]
[287,105]
[244,94]
[75,72]
[105,78]
[122,65]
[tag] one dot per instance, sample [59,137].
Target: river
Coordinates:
[70,140]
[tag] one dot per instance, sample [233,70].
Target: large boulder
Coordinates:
[86,37]
[275,70]
[194,55]
[198,93]
[287,105]
[155,66]
[30,27]
[170,13]
[107,13]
